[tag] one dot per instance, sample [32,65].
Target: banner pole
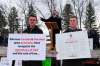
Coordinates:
[61,62]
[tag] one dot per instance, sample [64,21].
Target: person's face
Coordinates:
[32,21]
[55,13]
[73,23]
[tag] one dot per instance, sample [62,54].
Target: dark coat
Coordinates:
[71,30]
[56,19]
[35,30]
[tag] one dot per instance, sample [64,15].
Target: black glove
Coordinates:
[42,19]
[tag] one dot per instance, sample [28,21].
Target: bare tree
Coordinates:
[24,5]
[79,9]
[51,5]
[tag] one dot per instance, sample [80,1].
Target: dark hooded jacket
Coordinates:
[53,19]
[35,30]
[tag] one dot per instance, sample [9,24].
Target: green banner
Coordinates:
[47,62]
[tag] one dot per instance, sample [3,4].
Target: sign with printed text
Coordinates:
[26,47]
[72,45]
[5,62]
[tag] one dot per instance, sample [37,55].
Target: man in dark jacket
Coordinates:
[54,18]
[72,28]
[33,29]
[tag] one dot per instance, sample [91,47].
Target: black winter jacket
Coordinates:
[35,30]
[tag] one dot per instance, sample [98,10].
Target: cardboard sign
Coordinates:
[5,62]
[72,45]
[26,47]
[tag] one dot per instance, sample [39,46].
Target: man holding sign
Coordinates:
[32,28]
[72,28]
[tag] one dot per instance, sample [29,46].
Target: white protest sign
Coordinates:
[26,47]
[72,45]
[1,64]
[5,62]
